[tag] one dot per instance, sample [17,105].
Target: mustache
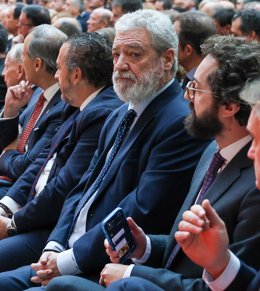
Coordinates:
[126,75]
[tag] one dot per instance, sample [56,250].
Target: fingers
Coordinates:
[212,214]
[113,255]
[136,230]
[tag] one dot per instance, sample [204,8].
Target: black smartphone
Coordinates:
[118,234]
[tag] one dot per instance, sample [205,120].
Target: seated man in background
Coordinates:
[3,48]
[145,157]
[224,175]
[39,121]
[36,198]
[13,71]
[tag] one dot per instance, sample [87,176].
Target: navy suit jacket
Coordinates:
[14,163]
[247,279]
[236,200]
[74,153]
[148,178]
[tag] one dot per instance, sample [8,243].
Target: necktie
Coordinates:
[63,131]
[123,128]
[31,123]
[216,163]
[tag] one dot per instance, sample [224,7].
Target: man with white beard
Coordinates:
[144,162]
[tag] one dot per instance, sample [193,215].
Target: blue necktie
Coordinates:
[123,128]
[216,163]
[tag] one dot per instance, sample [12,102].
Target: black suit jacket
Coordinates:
[148,178]
[235,198]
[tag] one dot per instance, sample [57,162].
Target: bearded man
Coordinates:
[144,161]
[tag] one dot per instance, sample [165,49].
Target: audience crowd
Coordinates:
[151,106]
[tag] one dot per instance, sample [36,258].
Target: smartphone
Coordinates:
[118,234]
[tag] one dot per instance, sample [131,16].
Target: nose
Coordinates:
[120,63]
[251,152]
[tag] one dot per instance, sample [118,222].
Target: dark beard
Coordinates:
[205,127]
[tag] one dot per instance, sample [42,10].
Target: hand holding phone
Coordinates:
[118,234]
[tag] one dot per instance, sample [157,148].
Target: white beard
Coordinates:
[134,90]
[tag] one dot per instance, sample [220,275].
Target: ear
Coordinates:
[226,29]
[76,76]
[229,110]
[168,59]
[38,64]
[251,36]
[188,49]
[20,71]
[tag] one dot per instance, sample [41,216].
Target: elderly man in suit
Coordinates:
[42,116]
[224,175]
[143,163]
[40,192]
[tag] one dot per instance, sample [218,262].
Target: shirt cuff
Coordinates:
[128,271]
[146,254]
[226,278]
[10,203]
[53,245]
[67,264]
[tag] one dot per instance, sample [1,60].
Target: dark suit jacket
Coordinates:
[235,198]
[14,163]
[3,88]
[247,279]
[148,178]
[74,153]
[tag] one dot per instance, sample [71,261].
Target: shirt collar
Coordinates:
[50,92]
[231,150]
[140,107]
[90,98]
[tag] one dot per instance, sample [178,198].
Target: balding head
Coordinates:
[99,18]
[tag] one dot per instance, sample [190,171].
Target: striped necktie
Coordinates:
[31,123]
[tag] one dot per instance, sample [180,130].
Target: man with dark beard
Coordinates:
[144,162]
[217,111]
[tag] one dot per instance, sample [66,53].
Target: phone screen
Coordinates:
[118,233]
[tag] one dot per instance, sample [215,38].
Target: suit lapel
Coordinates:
[144,120]
[218,188]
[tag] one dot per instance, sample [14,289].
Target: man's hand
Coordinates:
[203,238]
[17,97]
[111,273]
[46,268]
[139,238]
[4,223]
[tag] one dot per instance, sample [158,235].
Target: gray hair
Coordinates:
[159,26]
[251,94]
[16,53]
[45,44]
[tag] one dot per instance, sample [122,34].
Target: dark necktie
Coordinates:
[123,128]
[63,131]
[31,123]
[216,163]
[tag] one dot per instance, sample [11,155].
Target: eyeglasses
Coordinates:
[191,90]
[23,24]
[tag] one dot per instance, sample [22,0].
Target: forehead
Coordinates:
[205,68]
[133,38]
[254,123]
[63,52]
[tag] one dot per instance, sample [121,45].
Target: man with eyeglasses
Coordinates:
[219,112]
[31,16]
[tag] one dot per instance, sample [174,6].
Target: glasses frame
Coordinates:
[191,90]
